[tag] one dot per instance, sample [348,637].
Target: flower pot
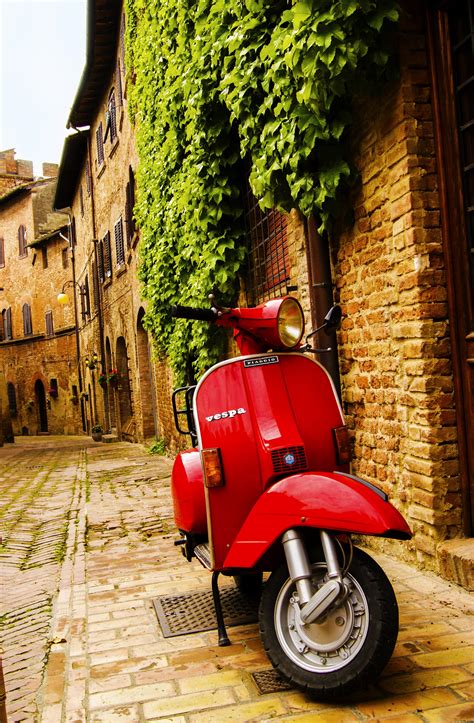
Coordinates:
[97,436]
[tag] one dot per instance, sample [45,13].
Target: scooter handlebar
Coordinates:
[193,312]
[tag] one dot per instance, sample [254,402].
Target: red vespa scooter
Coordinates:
[268,488]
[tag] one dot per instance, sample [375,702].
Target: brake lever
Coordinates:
[308,348]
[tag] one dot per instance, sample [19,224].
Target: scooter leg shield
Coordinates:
[328,501]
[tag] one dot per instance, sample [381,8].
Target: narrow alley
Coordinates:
[87,559]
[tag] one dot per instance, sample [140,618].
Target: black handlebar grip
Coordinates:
[193,312]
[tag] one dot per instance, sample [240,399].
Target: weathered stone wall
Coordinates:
[36,279]
[13,172]
[389,273]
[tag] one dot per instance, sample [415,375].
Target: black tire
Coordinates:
[250,584]
[355,641]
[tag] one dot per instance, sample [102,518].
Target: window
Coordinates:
[129,206]
[44,257]
[65,258]
[87,298]
[95,286]
[100,260]
[107,256]
[72,233]
[111,126]
[2,253]
[11,393]
[119,246]
[99,137]
[22,248]
[268,259]
[88,178]
[118,75]
[27,325]
[7,324]
[49,323]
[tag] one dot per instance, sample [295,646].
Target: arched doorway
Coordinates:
[124,395]
[147,387]
[41,406]
[108,389]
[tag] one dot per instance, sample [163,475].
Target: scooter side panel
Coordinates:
[328,501]
[187,488]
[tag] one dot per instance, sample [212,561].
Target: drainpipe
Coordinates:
[97,284]
[319,266]
[76,323]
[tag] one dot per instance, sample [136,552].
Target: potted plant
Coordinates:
[112,377]
[96,432]
[102,380]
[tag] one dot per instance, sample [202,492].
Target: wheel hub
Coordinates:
[331,643]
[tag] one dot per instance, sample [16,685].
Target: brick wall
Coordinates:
[389,273]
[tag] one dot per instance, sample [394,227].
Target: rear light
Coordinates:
[342,444]
[211,462]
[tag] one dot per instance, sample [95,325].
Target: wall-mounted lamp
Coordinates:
[63,298]
[92,362]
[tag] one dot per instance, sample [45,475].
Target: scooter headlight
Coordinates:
[290,323]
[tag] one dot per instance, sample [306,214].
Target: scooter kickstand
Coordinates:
[223,639]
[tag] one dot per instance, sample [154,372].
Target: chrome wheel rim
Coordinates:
[329,645]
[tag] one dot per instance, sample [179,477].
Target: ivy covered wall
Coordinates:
[213,84]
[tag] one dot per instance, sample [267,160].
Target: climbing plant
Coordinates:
[214,84]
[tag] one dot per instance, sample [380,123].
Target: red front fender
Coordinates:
[326,500]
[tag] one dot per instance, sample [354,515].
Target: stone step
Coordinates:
[109,438]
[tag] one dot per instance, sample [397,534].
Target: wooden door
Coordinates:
[451,36]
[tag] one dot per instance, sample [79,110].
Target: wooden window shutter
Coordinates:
[129,206]
[2,253]
[119,245]
[100,144]
[95,286]
[72,233]
[27,326]
[100,260]
[82,296]
[8,324]
[22,248]
[118,74]
[49,323]
[88,178]
[107,256]
[112,116]
[81,194]
[87,298]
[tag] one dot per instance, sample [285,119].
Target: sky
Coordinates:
[42,56]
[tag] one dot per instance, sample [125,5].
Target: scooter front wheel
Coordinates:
[348,648]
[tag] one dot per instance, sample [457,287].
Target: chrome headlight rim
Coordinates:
[290,330]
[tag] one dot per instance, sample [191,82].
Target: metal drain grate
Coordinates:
[194,612]
[269,681]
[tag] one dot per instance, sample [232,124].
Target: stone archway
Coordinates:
[149,418]
[40,396]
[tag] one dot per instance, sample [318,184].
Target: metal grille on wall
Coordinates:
[268,265]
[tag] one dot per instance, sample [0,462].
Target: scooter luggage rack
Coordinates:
[187,411]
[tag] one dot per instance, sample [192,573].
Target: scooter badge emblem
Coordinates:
[289,459]
[225,415]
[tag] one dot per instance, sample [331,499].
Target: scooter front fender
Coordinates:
[324,500]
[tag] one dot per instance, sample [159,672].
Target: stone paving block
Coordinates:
[188,703]
[401,704]
[138,693]
[119,714]
[461,713]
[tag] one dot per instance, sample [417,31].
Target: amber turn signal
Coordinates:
[343,445]
[211,462]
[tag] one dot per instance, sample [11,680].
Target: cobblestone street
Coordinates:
[88,536]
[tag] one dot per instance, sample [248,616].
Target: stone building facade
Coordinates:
[37,341]
[96,187]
